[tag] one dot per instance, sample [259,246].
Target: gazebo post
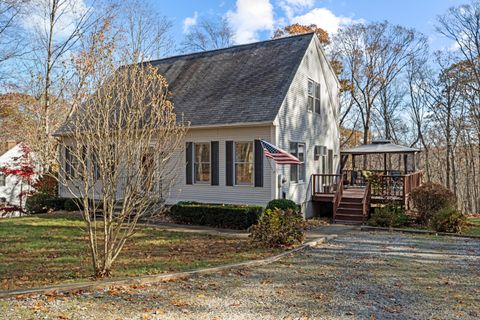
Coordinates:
[414,162]
[405,162]
[353,169]
[385,164]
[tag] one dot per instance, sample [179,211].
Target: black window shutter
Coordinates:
[258,164]
[229,163]
[215,163]
[189,162]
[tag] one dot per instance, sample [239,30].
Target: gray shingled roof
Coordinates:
[379,147]
[245,83]
[240,84]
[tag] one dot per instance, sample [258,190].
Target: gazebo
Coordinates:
[353,191]
[385,148]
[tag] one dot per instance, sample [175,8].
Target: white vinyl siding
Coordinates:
[314,128]
[239,194]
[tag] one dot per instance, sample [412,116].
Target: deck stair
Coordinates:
[351,208]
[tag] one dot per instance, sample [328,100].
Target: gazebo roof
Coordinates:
[379,147]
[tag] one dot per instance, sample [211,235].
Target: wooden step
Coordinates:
[341,209]
[348,217]
[345,204]
[351,200]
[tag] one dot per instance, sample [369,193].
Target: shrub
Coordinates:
[283,204]
[43,203]
[215,215]
[429,198]
[73,204]
[448,220]
[279,228]
[46,184]
[389,216]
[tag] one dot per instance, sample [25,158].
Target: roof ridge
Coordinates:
[207,52]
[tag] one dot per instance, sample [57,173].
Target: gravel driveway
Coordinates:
[358,276]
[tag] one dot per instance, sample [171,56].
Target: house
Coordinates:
[282,91]
[14,187]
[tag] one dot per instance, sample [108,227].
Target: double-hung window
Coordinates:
[70,163]
[297,171]
[202,162]
[244,163]
[313,103]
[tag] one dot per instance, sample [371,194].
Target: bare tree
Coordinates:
[462,25]
[144,33]
[446,107]
[417,81]
[118,149]
[208,34]
[10,38]
[374,55]
[57,26]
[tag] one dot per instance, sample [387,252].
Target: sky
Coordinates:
[255,20]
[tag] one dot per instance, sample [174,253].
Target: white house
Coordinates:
[282,91]
[12,186]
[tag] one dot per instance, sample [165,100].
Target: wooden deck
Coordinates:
[352,197]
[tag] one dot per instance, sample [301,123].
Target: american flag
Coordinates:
[278,155]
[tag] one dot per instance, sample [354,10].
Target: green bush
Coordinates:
[279,228]
[43,203]
[390,216]
[448,220]
[283,204]
[429,198]
[73,204]
[215,215]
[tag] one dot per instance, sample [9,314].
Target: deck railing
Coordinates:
[324,184]
[338,197]
[381,187]
[366,202]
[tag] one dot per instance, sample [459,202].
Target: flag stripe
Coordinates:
[278,155]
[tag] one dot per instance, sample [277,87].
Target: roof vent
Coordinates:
[381,141]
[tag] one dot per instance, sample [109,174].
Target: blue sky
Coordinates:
[255,19]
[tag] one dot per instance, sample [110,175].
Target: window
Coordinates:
[2,180]
[297,171]
[148,170]
[69,164]
[330,161]
[96,167]
[313,103]
[243,163]
[202,162]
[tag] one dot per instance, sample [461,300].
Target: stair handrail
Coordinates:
[366,201]
[338,196]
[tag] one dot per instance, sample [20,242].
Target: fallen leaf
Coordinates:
[179,303]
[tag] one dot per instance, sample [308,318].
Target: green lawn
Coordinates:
[474,228]
[50,249]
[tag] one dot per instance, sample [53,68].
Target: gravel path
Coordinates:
[358,276]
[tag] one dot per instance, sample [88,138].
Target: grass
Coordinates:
[474,228]
[51,249]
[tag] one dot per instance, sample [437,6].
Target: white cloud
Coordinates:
[68,14]
[291,7]
[249,18]
[189,22]
[324,19]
